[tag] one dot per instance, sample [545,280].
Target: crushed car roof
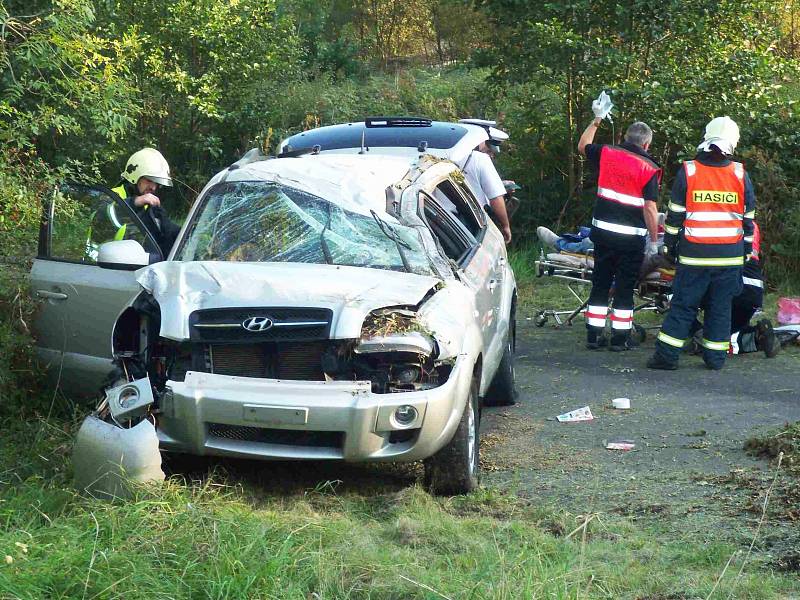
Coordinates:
[355,182]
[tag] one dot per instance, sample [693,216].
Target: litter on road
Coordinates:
[621,403]
[579,414]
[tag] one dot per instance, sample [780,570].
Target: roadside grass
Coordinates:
[218,536]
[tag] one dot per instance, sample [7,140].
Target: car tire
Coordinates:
[503,390]
[455,469]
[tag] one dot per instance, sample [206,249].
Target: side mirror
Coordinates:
[122,255]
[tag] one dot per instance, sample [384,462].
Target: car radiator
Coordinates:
[289,344]
[300,361]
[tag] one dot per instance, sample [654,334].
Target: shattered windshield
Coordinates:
[258,221]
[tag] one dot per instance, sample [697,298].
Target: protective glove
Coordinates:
[602,106]
[651,248]
[664,252]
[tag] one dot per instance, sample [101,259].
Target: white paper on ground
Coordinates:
[620,445]
[579,414]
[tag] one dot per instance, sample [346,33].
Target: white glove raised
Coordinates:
[602,106]
[651,249]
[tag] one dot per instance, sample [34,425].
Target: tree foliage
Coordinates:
[673,64]
[86,82]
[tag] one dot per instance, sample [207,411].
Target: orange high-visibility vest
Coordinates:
[714,203]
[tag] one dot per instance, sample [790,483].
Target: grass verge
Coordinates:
[223,535]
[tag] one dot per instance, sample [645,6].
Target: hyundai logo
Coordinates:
[257,324]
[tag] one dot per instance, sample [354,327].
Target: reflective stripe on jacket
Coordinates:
[121,228]
[620,191]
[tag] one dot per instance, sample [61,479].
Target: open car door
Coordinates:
[79,300]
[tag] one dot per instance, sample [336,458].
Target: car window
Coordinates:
[475,208]
[451,199]
[258,221]
[83,217]
[455,240]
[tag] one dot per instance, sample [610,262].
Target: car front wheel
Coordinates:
[455,469]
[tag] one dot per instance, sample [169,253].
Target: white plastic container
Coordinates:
[621,403]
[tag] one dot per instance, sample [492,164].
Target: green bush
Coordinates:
[19,381]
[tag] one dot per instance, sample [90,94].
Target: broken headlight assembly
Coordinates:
[395,353]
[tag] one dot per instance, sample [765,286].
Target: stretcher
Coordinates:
[652,292]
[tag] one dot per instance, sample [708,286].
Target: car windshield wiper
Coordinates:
[389,232]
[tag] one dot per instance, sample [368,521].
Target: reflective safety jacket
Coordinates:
[619,209]
[712,211]
[157,223]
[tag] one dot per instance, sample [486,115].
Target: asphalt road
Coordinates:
[688,467]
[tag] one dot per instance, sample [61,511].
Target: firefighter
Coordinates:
[624,225]
[709,230]
[144,172]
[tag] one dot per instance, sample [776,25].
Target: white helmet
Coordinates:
[147,162]
[722,132]
[496,136]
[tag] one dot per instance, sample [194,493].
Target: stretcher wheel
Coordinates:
[541,320]
[640,332]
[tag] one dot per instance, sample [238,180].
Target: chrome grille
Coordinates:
[287,324]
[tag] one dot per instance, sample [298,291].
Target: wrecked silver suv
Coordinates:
[322,307]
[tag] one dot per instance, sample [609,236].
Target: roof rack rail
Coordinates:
[291,153]
[398,122]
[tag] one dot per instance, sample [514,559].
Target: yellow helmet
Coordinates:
[147,162]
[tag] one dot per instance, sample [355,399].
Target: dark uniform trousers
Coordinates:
[713,289]
[744,306]
[619,266]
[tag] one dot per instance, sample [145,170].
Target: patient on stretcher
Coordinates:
[576,250]
[572,249]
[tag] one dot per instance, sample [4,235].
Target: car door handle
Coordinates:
[51,295]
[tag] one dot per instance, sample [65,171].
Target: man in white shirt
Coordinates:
[483,179]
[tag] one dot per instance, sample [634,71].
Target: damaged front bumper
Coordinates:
[209,414]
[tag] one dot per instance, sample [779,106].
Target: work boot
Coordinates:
[659,362]
[713,366]
[546,236]
[595,339]
[620,342]
[766,339]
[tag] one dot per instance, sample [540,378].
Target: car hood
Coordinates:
[350,292]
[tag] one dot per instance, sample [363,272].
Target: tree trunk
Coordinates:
[571,153]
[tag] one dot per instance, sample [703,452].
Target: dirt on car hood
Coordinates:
[350,292]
